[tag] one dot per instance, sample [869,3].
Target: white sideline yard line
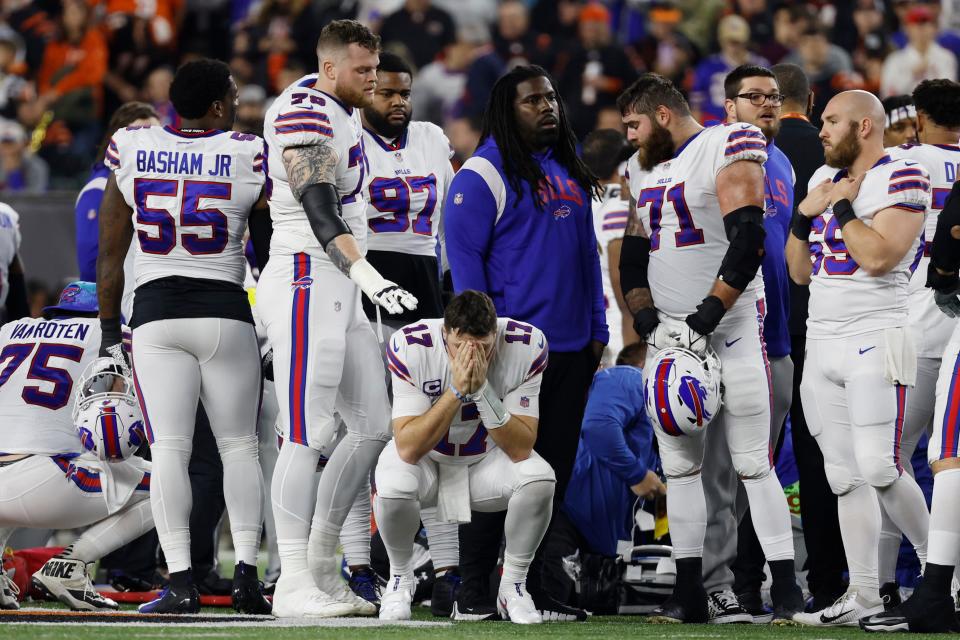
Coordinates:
[341,623]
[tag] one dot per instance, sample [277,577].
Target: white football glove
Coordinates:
[664,335]
[381,291]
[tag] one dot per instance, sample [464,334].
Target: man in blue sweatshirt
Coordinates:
[733,564]
[519,228]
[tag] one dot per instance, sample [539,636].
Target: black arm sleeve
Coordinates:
[634,259]
[17,304]
[945,252]
[321,203]
[745,252]
[261,230]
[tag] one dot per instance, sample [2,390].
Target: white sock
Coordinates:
[904,503]
[355,534]
[292,494]
[528,516]
[172,499]
[443,537]
[243,494]
[859,514]
[770,516]
[113,532]
[344,476]
[890,538]
[944,541]
[687,514]
[398,520]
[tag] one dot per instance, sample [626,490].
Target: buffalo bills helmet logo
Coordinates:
[303,282]
[694,395]
[562,212]
[69,294]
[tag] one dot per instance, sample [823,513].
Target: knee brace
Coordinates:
[239,448]
[534,469]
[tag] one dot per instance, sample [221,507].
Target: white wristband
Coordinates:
[492,412]
[367,278]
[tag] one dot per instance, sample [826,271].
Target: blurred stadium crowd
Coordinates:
[66,65]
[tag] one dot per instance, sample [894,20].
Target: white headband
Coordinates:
[901,113]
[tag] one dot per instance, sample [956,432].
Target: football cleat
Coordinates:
[246,596]
[787,602]
[444,593]
[922,612]
[176,600]
[397,598]
[846,611]
[673,611]
[752,603]
[516,605]
[890,594]
[297,596]
[66,580]
[724,608]
[552,610]
[8,592]
[326,575]
[365,583]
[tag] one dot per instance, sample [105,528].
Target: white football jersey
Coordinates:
[844,300]
[677,204]
[40,360]
[191,195]
[9,246]
[418,362]
[932,327]
[302,116]
[406,188]
[609,222]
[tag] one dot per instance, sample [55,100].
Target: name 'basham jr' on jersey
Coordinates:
[418,361]
[677,204]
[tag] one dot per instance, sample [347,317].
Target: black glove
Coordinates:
[708,315]
[645,321]
[111,343]
[945,290]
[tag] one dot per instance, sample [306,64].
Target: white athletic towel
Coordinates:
[453,494]
[900,360]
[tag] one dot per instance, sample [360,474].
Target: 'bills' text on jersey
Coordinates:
[420,367]
[303,116]
[406,187]
[677,203]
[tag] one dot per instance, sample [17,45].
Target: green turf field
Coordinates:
[601,628]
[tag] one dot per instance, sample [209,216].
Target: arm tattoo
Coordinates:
[634,226]
[338,258]
[310,165]
[638,299]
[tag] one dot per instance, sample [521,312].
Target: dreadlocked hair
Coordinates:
[519,165]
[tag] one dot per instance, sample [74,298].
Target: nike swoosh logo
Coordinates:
[909,164]
[828,619]
[730,343]
[863,351]
[541,342]
[396,347]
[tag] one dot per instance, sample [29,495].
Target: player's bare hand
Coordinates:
[846,189]
[395,299]
[461,368]
[817,200]
[480,366]
[650,487]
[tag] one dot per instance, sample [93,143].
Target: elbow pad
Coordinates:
[745,253]
[321,203]
[634,259]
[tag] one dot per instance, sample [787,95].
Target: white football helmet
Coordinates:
[682,390]
[105,411]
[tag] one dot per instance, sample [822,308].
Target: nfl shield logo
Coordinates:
[398,156]
[458,199]
[525,402]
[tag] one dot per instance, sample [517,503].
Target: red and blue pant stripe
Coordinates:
[299,353]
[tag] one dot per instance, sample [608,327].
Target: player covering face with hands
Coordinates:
[465,418]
